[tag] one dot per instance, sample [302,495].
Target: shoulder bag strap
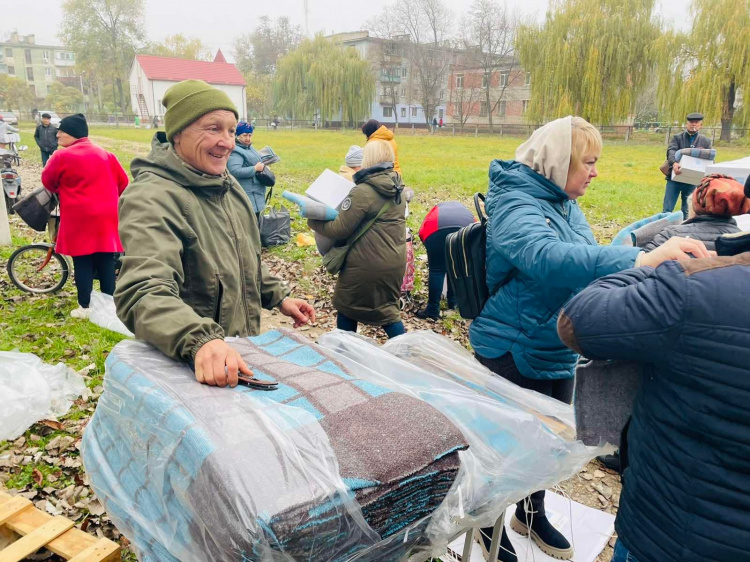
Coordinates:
[387,205]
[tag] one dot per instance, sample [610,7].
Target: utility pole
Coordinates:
[307,19]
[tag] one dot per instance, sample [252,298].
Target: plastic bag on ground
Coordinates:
[31,390]
[104,314]
[191,472]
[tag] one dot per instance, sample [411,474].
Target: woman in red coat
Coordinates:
[89,180]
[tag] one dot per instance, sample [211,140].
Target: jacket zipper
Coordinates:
[453,260]
[239,258]
[564,211]
[463,249]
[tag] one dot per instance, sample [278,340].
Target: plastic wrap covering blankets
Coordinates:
[359,455]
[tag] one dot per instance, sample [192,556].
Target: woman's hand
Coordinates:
[216,364]
[301,311]
[676,248]
[259,167]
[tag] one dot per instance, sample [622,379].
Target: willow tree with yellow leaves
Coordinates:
[589,58]
[324,78]
[704,69]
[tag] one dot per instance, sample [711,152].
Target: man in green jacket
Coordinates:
[192,272]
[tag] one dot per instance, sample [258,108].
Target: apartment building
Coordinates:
[395,98]
[37,65]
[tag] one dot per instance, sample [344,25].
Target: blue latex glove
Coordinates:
[311,209]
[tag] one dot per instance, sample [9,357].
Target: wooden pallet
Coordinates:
[33,529]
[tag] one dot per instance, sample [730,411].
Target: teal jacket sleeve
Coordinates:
[237,168]
[526,240]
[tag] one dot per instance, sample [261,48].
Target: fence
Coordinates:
[646,132]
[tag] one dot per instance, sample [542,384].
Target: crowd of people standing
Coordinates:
[192,274]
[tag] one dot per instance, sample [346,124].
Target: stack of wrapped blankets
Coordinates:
[323,468]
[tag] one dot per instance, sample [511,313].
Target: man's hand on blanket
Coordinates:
[301,311]
[216,364]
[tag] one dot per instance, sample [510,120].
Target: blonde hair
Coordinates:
[377,151]
[585,140]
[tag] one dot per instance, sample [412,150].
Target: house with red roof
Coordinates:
[152,76]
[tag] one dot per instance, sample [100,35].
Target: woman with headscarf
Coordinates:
[245,163]
[541,252]
[89,181]
[369,284]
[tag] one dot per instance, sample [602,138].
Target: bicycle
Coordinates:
[37,268]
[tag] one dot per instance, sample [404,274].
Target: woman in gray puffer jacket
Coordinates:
[714,202]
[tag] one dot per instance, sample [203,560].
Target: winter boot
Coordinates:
[505,553]
[530,519]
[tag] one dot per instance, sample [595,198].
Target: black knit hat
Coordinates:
[75,126]
[370,127]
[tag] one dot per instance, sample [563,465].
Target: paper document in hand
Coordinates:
[329,188]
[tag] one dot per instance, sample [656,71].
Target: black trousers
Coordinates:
[45,157]
[559,389]
[86,268]
[435,246]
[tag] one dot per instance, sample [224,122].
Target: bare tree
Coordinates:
[465,93]
[489,35]
[421,28]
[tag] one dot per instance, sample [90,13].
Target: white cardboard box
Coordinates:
[738,169]
[692,169]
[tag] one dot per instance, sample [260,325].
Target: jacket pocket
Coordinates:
[218,301]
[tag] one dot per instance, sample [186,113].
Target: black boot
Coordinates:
[506,553]
[424,314]
[530,513]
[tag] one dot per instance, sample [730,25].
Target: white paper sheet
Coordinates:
[329,188]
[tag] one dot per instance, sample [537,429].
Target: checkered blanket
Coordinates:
[324,467]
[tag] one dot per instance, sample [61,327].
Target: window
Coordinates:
[442,95]
[48,72]
[387,112]
[403,72]
[485,79]
[9,53]
[27,54]
[459,81]
[525,105]
[403,112]
[403,92]
[504,78]
[502,109]
[12,70]
[29,73]
[413,111]
[45,56]
[33,90]
[483,109]
[528,78]
[387,91]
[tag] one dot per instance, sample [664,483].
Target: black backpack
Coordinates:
[465,257]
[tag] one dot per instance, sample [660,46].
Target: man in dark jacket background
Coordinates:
[685,489]
[46,138]
[689,138]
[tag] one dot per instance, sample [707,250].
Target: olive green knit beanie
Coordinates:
[189,100]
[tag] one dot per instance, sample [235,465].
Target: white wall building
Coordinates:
[152,76]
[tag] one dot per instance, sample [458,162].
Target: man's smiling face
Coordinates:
[206,143]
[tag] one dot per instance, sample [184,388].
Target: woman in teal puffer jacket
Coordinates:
[244,163]
[541,252]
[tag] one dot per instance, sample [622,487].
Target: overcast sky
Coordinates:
[218,22]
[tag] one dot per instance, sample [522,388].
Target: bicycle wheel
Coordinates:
[36,268]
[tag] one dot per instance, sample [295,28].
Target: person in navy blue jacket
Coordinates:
[686,485]
[540,252]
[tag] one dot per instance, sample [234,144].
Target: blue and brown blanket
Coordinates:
[324,467]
